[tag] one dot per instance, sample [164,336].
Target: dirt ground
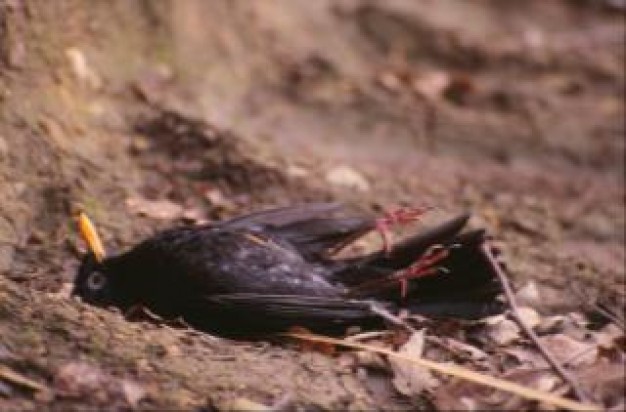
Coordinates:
[512,110]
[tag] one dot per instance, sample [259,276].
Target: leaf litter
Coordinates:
[498,354]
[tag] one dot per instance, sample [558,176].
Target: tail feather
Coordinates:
[466,286]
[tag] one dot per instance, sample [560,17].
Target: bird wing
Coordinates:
[310,228]
[294,306]
[253,311]
[282,216]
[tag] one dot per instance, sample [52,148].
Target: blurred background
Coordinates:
[152,113]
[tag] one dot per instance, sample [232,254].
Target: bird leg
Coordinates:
[399,216]
[424,266]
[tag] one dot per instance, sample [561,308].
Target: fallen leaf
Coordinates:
[412,379]
[297,171]
[346,176]
[431,85]
[606,382]
[308,346]
[528,295]
[475,353]
[80,379]
[390,80]
[64,292]
[570,351]
[156,209]
[370,360]
[82,70]
[529,316]
[525,357]
[245,404]
[501,330]
[217,199]
[551,324]
[4,147]
[459,87]
[195,215]
[75,379]
[133,392]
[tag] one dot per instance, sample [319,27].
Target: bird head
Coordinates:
[93,282]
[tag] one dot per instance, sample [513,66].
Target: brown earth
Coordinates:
[513,110]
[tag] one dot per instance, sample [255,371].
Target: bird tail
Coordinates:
[459,282]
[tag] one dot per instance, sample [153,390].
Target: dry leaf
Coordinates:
[217,199]
[528,295]
[82,70]
[345,176]
[529,316]
[79,379]
[195,215]
[606,382]
[431,85]
[133,392]
[527,358]
[76,379]
[570,351]
[609,335]
[551,324]
[297,171]
[390,80]
[486,382]
[475,353]
[308,346]
[412,379]
[64,292]
[370,360]
[502,331]
[156,209]
[245,404]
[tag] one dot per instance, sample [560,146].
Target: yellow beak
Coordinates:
[89,234]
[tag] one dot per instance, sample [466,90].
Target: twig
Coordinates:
[398,321]
[510,297]
[610,316]
[385,314]
[368,335]
[15,378]
[459,372]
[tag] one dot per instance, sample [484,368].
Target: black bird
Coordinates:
[275,269]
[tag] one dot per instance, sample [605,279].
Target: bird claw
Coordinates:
[424,266]
[399,216]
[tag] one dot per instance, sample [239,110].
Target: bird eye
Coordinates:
[96,281]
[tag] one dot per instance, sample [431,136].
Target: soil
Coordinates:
[512,110]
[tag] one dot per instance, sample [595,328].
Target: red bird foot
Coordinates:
[396,217]
[426,265]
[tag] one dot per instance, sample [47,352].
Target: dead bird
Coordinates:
[275,269]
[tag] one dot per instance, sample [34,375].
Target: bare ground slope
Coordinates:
[513,110]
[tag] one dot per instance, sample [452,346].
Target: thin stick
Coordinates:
[398,321]
[510,297]
[459,372]
[385,314]
[15,378]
